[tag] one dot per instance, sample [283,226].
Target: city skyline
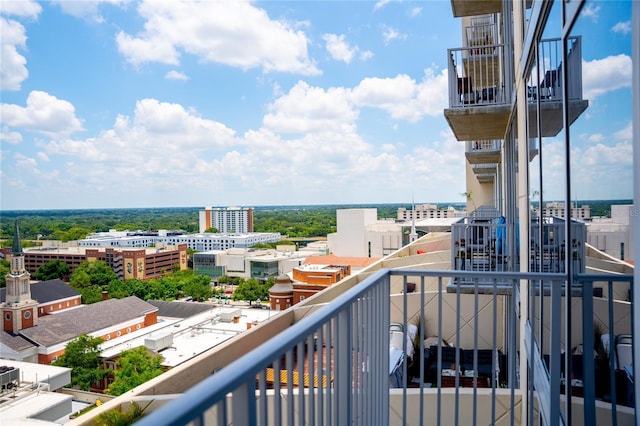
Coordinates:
[157,104]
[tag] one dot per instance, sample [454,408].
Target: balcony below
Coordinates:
[483,151]
[485,173]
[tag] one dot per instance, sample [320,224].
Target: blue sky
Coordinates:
[165,103]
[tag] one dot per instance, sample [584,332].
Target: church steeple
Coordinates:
[16,248]
[18,310]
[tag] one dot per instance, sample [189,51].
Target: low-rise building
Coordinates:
[200,242]
[138,263]
[260,264]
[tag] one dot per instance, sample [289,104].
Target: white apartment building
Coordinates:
[425,211]
[199,242]
[361,234]
[227,219]
[557,209]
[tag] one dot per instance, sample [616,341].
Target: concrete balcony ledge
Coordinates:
[479,122]
[473,8]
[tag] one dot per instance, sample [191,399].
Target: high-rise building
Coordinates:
[227,219]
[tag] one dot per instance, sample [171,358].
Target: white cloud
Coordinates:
[592,12]
[624,134]
[29,165]
[338,48]
[404,98]
[389,34]
[595,138]
[158,132]
[366,55]
[44,114]
[87,9]
[176,75]
[43,157]
[602,169]
[21,8]
[622,27]
[415,11]
[235,33]
[605,75]
[311,109]
[13,71]
[380,4]
[9,136]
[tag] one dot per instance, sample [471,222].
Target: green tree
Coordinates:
[199,288]
[97,272]
[251,290]
[211,230]
[91,294]
[5,268]
[134,367]
[51,270]
[82,356]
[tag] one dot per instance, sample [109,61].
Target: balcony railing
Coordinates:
[476,76]
[546,80]
[422,356]
[487,243]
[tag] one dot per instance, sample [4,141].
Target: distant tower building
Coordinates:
[425,211]
[19,311]
[413,235]
[237,220]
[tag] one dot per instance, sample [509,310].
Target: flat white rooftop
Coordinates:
[191,336]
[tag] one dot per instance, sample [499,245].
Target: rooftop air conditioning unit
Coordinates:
[159,342]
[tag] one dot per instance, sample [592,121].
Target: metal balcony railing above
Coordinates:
[476,76]
[546,80]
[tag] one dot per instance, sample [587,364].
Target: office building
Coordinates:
[138,263]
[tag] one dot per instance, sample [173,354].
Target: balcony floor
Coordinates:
[473,8]
[490,121]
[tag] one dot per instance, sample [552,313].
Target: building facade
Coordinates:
[227,219]
[199,242]
[557,209]
[425,211]
[142,264]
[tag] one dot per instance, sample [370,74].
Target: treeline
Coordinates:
[292,221]
[68,225]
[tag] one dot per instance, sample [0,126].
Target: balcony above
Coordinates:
[483,151]
[477,7]
[480,101]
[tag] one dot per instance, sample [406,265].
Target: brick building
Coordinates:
[139,263]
